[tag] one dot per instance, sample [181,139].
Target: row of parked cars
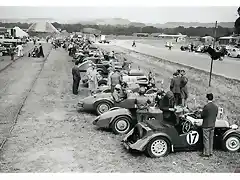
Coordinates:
[156,137]
[230,50]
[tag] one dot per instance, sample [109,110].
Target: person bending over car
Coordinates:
[159,97]
[142,102]
[167,104]
[119,94]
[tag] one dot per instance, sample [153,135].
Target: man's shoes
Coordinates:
[206,156]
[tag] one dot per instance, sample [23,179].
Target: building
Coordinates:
[207,39]
[141,34]
[229,40]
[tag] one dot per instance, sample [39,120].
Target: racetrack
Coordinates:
[228,68]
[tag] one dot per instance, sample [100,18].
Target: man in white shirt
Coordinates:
[20,50]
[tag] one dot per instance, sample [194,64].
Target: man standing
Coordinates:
[142,102]
[40,52]
[237,23]
[209,115]
[184,89]
[76,78]
[175,88]
[116,78]
[20,50]
[11,52]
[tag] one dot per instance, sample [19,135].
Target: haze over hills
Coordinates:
[120,21]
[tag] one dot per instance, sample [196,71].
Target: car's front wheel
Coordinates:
[232,143]
[121,125]
[158,147]
[103,107]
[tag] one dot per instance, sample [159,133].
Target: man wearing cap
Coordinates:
[142,102]
[209,115]
[116,78]
[76,78]
[183,88]
[118,94]
[175,88]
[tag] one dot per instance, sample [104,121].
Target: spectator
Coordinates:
[209,115]
[76,78]
[183,88]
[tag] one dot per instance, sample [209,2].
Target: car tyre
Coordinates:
[121,125]
[102,82]
[238,56]
[232,143]
[103,107]
[158,147]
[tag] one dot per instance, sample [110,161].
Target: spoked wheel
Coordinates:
[232,143]
[158,147]
[121,125]
[103,107]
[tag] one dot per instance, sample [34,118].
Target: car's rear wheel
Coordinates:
[102,82]
[158,147]
[238,56]
[103,107]
[121,125]
[232,143]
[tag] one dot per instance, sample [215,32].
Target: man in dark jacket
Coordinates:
[184,89]
[76,77]
[167,104]
[209,115]
[237,23]
[40,52]
[175,88]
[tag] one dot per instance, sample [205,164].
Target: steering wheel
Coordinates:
[187,126]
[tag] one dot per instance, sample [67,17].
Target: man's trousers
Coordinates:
[208,136]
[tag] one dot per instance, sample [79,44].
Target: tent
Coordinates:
[20,33]
[43,27]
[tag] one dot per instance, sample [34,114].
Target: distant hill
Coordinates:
[121,22]
[192,24]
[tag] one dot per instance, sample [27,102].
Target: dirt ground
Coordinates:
[50,136]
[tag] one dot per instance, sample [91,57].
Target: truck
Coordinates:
[103,39]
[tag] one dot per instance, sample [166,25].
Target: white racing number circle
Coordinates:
[192,137]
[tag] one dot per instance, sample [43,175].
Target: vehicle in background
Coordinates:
[103,40]
[234,53]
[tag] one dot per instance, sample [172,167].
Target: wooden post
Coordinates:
[215,36]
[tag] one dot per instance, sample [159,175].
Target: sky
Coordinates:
[136,14]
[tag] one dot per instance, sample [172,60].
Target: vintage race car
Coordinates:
[121,120]
[102,102]
[157,138]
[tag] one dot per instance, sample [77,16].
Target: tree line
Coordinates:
[129,30]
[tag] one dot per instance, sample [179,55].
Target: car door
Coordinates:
[189,141]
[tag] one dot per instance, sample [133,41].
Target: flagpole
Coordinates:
[215,36]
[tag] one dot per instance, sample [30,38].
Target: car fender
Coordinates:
[230,131]
[156,135]
[105,100]
[126,112]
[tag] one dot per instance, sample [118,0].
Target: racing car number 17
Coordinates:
[192,137]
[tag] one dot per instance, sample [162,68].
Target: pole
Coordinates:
[215,36]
